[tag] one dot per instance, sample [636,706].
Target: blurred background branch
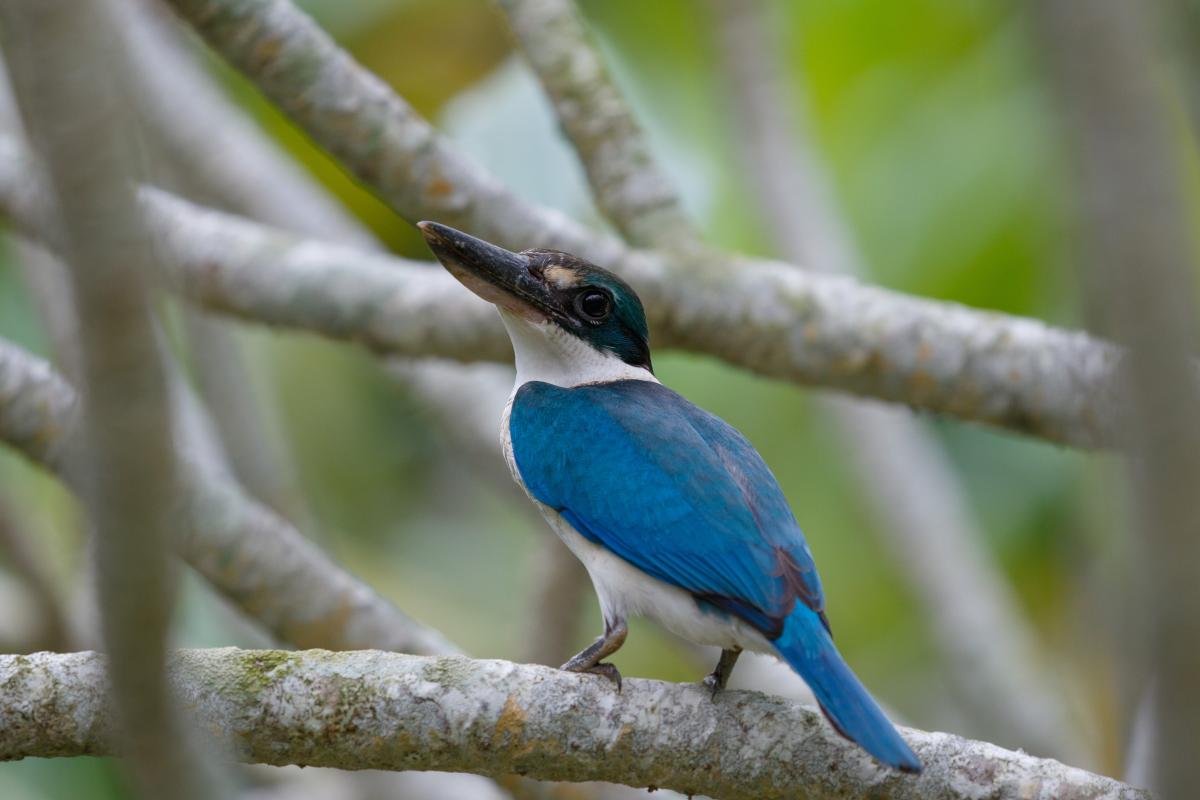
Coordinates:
[250,554]
[73,101]
[917,501]
[625,180]
[28,563]
[1140,289]
[779,322]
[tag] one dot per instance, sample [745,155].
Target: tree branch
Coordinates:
[36,407]
[371,710]
[211,145]
[821,330]
[993,368]
[357,118]
[625,179]
[261,274]
[828,331]
[253,556]
[265,275]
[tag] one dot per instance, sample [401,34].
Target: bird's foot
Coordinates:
[603,668]
[588,659]
[714,682]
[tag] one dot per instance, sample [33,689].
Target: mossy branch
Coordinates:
[372,710]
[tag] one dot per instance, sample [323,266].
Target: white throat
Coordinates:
[545,352]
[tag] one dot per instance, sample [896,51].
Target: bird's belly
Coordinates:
[625,591]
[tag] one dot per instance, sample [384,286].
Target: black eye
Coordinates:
[593,305]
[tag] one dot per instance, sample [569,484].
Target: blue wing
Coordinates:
[670,488]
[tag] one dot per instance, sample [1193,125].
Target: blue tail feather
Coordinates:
[807,647]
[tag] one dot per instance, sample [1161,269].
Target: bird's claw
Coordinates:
[609,671]
[712,681]
[603,669]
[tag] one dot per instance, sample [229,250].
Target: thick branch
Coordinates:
[269,276]
[371,710]
[828,331]
[1004,370]
[248,552]
[625,180]
[357,118]
[994,368]
[820,330]
[261,274]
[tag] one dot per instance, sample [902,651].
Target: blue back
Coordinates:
[670,488]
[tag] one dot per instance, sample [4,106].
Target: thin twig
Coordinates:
[32,568]
[371,710]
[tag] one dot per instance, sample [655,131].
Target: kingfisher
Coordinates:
[673,512]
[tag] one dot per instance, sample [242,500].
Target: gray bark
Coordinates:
[767,317]
[370,710]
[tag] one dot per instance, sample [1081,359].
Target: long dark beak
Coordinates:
[497,275]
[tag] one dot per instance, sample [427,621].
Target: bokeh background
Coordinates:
[936,124]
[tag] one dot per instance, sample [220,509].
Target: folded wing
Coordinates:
[671,489]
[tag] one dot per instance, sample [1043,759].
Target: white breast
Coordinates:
[626,591]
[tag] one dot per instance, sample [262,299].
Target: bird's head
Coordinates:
[571,322]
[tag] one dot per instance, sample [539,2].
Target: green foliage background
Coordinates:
[935,122]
